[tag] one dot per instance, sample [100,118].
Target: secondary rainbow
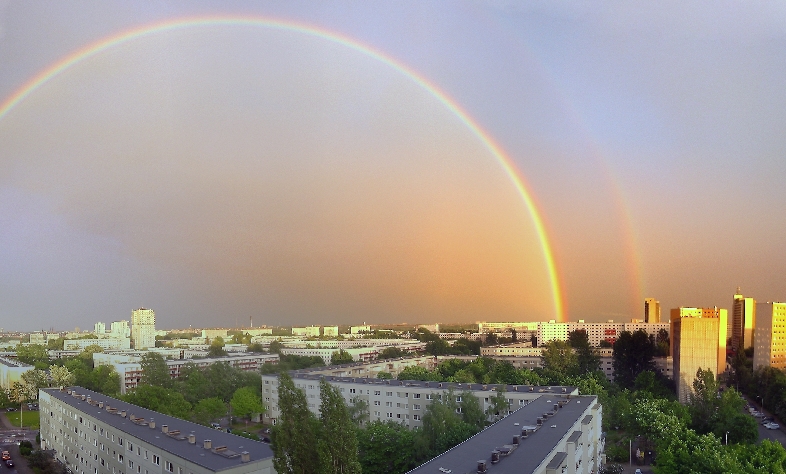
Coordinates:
[173,24]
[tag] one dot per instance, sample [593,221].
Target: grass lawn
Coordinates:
[30,419]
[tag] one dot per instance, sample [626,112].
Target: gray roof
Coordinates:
[531,452]
[13,362]
[177,445]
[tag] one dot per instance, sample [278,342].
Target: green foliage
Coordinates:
[560,358]
[633,354]
[358,410]
[246,402]
[255,347]
[442,427]
[337,445]
[55,344]
[386,448]
[392,352]
[33,354]
[719,414]
[275,347]
[382,375]
[498,406]
[292,362]
[418,373]
[341,357]
[208,410]
[155,372]
[217,348]
[294,434]
[471,411]
[160,399]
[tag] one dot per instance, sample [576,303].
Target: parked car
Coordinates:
[10,409]
[6,455]
[9,463]
[772,426]
[215,426]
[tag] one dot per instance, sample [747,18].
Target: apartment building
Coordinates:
[742,322]
[94,434]
[11,371]
[364,352]
[111,343]
[770,336]
[403,401]
[130,369]
[549,435]
[698,341]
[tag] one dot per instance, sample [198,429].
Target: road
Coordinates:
[9,441]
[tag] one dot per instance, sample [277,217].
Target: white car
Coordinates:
[772,426]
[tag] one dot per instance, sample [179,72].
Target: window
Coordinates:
[389,404]
[415,395]
[131,464]
[169,467]
[458,398]
[377,392]
[388,394]
[156,460]
[416,417]
[377,402]
[429,396]
[120,458]
[416,406]
[130,446]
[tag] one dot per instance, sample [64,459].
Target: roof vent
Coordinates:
[191,439]
[532,389]
[245,456]
[539,421]
[515,440]
[564,390]
[123,413]
[207,444]
[152,424]
[482,467]
[100,404]
[524,433]
[494,457]
[84,397]
[164,429]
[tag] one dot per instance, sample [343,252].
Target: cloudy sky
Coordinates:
[309,163]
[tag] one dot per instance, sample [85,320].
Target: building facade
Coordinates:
[143,328]
[743,322]
[11,371]
[698,341]
[651,310]
[308,331]
[109,343]
[770,336]
[91,433]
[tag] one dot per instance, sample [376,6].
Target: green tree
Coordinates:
[35,379]
[294,434]
[34,354]
[217,348]
[55,344]
[358,410]
[338,445]
[341,357]
[471,411]
[559,358]
[154,370]
[61,376]
[160,399]
[498,406]
[382,375]
[386,448]
[208,410]
[416,372]
[442,427]
[255,347]
[392,352]
[633,354]
[275,347]
[246,403]
[587,359]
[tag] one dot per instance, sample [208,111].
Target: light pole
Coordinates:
[630,451]
[727,438]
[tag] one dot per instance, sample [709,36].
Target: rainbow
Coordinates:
[174,24]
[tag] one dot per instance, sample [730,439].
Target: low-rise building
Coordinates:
[91,433]
[11,371]
[113,343]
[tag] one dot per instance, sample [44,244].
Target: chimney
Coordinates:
[164,429]
[123,413]
[207,444]
[245,456]
[191,439]
[152,424]
[100,404]
[84,397]
[515,440]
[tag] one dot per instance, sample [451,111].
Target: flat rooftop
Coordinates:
[178,444]
[12,362]
[531,451]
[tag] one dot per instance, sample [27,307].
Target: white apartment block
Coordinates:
[120,329]
[372,369]
[105,343]
[308,331]
[402,401]
[143,328]
[99,328]
[11,371]
[770,336]
[214,333]
[359,354]
[359,329]
[329,331]
[91,433]
[38,338]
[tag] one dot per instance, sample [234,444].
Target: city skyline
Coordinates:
[387,163]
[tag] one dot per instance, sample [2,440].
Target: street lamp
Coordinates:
[727,438]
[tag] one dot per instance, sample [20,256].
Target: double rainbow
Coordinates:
[180,23]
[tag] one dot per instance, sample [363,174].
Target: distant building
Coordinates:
[329,331]
[99,328]
[91,433]
[770,336]
[308,331]
[743,322]
[11,371]
[214,333]
[259,331]
[143,328]
[698,341]
[105,344]
[358,329]
[120,329]
[651,310]
[38,338]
